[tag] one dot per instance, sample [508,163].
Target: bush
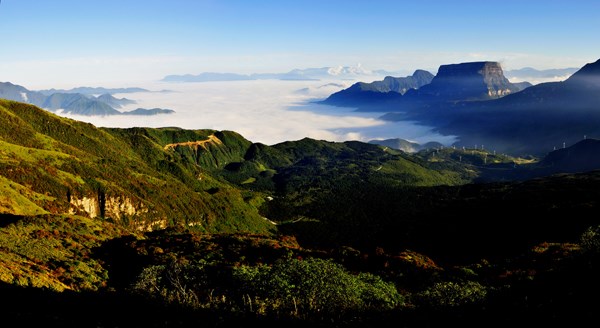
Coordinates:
[314,288]
[451,294]
[590,240]
[174,283]
[307,289]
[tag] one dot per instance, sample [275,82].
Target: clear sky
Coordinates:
[63,43]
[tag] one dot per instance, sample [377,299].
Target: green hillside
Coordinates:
[124,176]
[163,227]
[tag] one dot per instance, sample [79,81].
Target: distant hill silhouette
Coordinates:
[532,121]
[379,92]
[580,157]
[92,90]
[474,81]
[72,102]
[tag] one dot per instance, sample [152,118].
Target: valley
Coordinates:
[205,225]
[326,164]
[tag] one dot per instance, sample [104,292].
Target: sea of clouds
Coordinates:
[265,111]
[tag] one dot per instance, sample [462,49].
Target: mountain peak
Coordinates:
[588,74]
[379,92]
[470,81]
[470,67]
[591,68]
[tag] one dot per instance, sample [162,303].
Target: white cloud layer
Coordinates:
[266,111]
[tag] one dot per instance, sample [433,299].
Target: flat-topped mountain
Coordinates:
[533,121]
[466,82]
[474,81]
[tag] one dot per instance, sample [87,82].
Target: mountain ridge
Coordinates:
[72,102]
[123,174]
[306,74]
[463,82]
[93,90]
[389,89]
[532,121]
[106,226]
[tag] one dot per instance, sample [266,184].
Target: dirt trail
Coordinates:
[196,144]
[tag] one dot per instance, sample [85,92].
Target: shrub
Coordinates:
[590,240]
[293,288]
[172,283]
[313,288]
[451,294]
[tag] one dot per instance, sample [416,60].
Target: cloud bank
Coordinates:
[266,111]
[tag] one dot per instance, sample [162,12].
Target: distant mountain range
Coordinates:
[477,103]
[92,90]
[339,72]
[453,83]
[71,102]
[534,75]
[307,74]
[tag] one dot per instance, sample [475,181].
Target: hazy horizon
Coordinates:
[64,44]
[68,43]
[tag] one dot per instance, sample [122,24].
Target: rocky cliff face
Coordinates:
[115,207]
[467,81]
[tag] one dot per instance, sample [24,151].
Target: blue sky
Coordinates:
[70,42]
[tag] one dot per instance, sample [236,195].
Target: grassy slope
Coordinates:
[54,159]
[355,194]
[46,159]
[53,251]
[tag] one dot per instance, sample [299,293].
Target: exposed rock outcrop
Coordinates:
[212,139]
[464,82]
[115,207]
